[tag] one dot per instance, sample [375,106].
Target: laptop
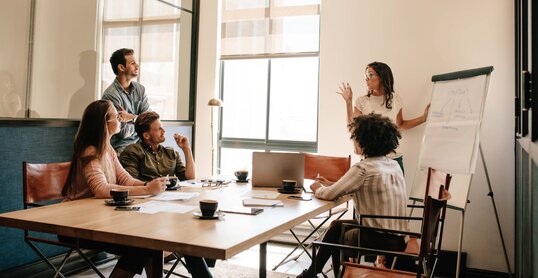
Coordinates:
[270,168]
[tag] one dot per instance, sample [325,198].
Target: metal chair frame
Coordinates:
[53,194]
[442,183]
[428,250]
[341,165]
[171,270]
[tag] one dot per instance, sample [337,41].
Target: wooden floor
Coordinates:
[249,258]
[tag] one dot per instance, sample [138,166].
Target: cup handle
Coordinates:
[235,173]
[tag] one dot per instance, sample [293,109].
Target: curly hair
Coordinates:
[387,81]
[375,134]
[143,123]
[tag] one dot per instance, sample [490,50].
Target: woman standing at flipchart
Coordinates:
[380,99]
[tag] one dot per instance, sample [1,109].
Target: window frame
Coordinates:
[139,23]
[265,144]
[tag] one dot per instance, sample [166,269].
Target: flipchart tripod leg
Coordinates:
[490,194]
[460,243]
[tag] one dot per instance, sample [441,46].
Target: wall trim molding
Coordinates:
[482,273]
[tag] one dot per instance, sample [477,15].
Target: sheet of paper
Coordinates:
[262,194]
[140,197]
[191,183]
[175,196]
[156,206]
[253,202]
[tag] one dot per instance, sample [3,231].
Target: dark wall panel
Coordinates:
[38,144]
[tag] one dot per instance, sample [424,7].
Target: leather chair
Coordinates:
[426,258]
[332,168]
[42,185]
[437,184]
[434,211]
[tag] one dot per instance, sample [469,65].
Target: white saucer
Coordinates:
[217,215]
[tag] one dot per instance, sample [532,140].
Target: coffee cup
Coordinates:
[119,195]
[208,207]
[241,175]
[289,185]
[172,181]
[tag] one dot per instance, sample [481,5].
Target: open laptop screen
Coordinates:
[270,168]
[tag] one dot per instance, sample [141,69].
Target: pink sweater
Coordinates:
[93,181]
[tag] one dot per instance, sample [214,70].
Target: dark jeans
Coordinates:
[197,267]
[368,239]
[133,259]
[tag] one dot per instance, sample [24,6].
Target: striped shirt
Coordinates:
[377,186]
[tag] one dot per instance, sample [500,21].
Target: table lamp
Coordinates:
[213,102]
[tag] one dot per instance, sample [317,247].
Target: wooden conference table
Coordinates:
[91,219]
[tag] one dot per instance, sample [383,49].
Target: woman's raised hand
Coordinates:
[426,110]
[157,185]
[345,92]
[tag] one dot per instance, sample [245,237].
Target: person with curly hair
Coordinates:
[377,186]
[380,99]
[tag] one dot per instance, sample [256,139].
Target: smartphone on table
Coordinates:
[300,198]
[122,208]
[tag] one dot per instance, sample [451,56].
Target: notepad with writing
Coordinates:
[253,202]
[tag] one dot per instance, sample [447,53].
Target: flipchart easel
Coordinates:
[451,141]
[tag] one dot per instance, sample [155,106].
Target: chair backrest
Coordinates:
[43,182]
[433,209]
[330,167]
[437,184]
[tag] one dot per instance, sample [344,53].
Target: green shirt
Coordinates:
[145,164]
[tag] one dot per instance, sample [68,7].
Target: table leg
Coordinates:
[154,268]
[263,260]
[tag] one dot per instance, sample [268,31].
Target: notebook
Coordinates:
[270,168]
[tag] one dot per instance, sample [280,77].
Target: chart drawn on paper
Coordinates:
[452,132]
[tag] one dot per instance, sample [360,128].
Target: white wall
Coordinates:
[13,56]
[64,58]
[418,39]
[207,84]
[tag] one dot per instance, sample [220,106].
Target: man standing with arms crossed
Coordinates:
[128,96]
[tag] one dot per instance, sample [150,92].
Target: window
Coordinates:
[269,78]
[157,31]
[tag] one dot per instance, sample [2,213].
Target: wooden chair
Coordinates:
[42,185]
[332,168]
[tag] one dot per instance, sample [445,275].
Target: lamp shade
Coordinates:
[215,102]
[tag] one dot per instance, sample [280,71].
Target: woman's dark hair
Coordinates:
[92,131]
[376,135]
[143,123]
[118,58]
[387,80]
